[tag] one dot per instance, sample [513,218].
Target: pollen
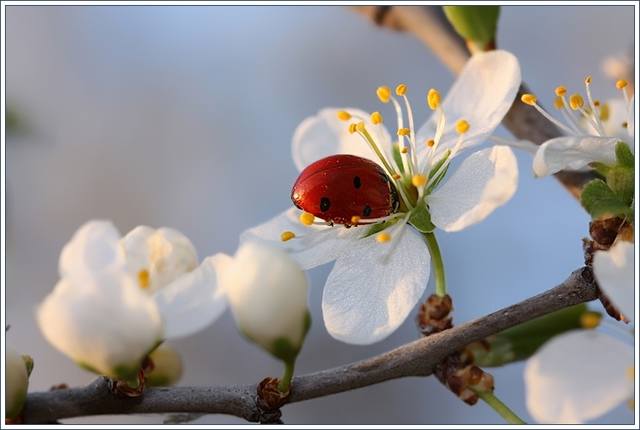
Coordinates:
[306,218]
[529,99]
[355,220]
[383,237]
[590,320]
[576,101]
[418,180]
[287,235]
[376,118]
[360,126]
[561,90]
[558,103]
[404,149]
[433,99]
[621,83]
[587,80]
[401,89]
[144,279]
[596,103]
[462,126]
[404,131]
[384,94]
[430,142]
[343,115]
[353,127]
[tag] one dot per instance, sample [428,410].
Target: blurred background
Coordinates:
[183,117]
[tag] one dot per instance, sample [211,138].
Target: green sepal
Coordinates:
[283,349]
[620,180]
[475,24]
[434,176]
[599,200]
[624,155]
[522,341]
[421,219]
[28,363]
[601,168]
[377,228]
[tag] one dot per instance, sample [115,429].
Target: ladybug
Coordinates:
[343,189]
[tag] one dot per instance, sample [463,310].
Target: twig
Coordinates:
[427,23]
[417,358]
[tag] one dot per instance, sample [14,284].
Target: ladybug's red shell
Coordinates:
[339,187]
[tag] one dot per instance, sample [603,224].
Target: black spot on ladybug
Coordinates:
[325,204]
[357,182]
[366,211]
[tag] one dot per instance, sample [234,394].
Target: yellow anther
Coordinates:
[418,180]
[401,90]
[433,99]
[383,237]
[360,126]
[144,279]
[631,373]
[287,235]
[355,220]
[343,115]
[353,127]
[306,218]
[587,80]
[384,94]
[596,103]
[462,126]
[558,102]
[529,99]
[396,176]
[621,83]
[590,319]
[625,124]
[604,112]
[376,118]
[561,90]
[404,131]
[430,142]
[576,101]
[404,150]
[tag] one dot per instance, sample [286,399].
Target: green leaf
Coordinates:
[421,219]
[624,155]
[476,24]
[377,228]
[621,181]
[599,200]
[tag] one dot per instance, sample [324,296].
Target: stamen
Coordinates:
[604,112]
[576,101]
[594,116]
[558,103]
[587,80]
[360,127]
[355,219]
[287,235]
[433,98]
[430,143]
[533,102]
[529,99]
[405,161]
[596,103]
[384,94]
[418,180]
[625,124]
[144,279]
[344,115]
[396,176]
[590,320]
[353,127]
[376,118]
[412,135]
[404,149]
[403,131]
[401,90]
[561,90]
[462,126]
[306,218]
[621,84]
[383,237]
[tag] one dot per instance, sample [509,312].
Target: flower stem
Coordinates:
[438,264]
[496,404]
[285,381]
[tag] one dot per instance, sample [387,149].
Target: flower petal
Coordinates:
[482,95]
[484,181]
[573,152]
[106,324]
[613,270]
[324,134]
[578,376]
[371,291]
[312,246]
[194,300]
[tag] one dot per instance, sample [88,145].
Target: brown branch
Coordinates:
[417,358]
[427,23]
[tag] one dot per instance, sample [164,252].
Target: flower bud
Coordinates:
[267,293]
[167,366]
[16,384]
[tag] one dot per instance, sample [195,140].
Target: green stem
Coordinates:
[496,404]
[438,264]
[285,381]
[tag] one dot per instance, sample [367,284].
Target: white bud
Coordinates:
[16,384]
[167,366]
[267,292]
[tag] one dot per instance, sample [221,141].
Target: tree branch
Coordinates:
[428,24]
[417,358]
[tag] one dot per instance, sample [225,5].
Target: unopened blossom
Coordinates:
[166,366]
[16,383]
[382,265]
[119,298]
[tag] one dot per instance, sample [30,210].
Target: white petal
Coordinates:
[578,376]
[94,248]
[106,324]
[194,300]
[618,115]
[164,253]
[573,153]
[267,293]
[485,180]
[613,270]
[324,134]
[482,95]
[368,296]
[312,246]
